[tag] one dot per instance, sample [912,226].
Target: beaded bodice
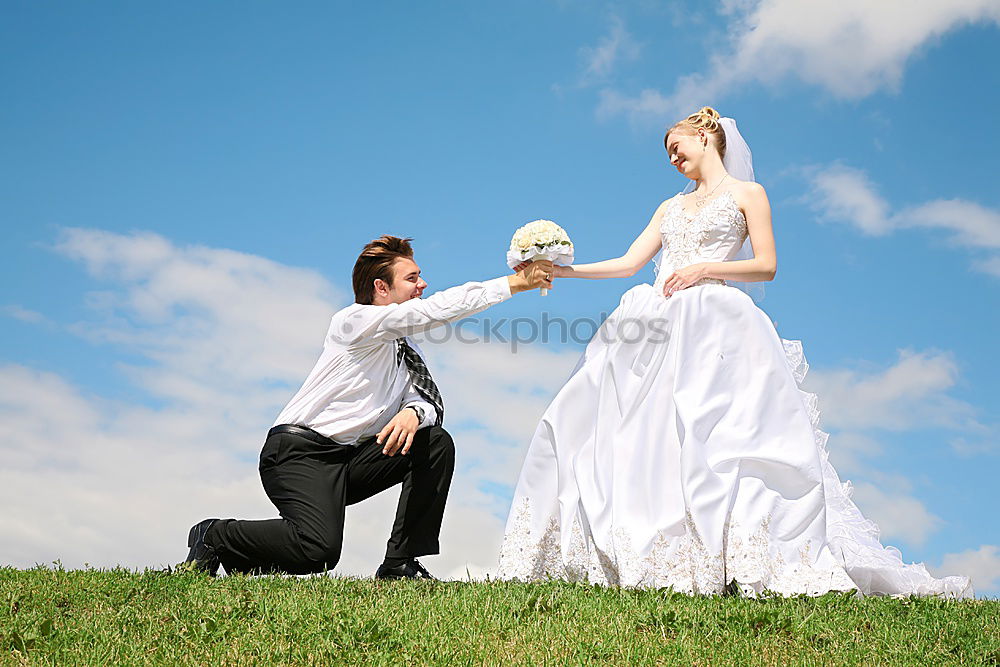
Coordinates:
[714,233]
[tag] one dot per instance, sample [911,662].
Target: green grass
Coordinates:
[53,616]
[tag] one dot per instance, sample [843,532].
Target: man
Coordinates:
[368,417]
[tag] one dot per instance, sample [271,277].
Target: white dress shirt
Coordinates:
[356,386]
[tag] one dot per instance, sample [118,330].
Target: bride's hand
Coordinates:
[683,278]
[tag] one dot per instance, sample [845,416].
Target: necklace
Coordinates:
[701,200]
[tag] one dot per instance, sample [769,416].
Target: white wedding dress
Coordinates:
[682,453]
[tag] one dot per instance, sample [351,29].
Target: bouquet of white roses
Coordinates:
[541,239]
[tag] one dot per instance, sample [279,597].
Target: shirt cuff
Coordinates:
[498,289]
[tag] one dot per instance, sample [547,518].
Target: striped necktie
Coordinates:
[420,376]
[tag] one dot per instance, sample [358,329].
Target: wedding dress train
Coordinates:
[682,452]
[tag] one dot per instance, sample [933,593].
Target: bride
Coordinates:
[681,452]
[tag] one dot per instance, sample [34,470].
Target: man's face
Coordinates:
[406,281]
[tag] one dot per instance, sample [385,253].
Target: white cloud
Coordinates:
[850,48]
[850,452]
[970,224]
[615,47]
[649,102]
[223,339]
[975,447]
[24,314]
[982,565]
[990,266]
[88,480]
[503,391]
[209,315]
[899,515]
[910,394]
[846,195]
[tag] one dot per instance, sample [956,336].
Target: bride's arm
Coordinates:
[757,210]
[637,256]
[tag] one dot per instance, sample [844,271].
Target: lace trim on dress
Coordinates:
[876,569]
[680,562]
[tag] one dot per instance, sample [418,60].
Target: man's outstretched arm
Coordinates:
[392,321]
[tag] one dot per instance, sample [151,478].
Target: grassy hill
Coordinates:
[52,616]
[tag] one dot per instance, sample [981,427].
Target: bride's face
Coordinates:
[685,151]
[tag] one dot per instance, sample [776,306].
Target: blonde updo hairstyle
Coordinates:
[706,119]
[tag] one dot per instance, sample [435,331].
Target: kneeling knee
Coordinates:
[320,557]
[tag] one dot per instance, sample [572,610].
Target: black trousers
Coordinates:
[311,484]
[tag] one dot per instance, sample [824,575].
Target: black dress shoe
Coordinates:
[411,569]
[201,556]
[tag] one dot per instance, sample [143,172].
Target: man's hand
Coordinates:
[531,276]
[558,270]
[398,433]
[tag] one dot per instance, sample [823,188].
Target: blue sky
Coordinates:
[185,187]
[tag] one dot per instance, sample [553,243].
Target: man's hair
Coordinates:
[374,262]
